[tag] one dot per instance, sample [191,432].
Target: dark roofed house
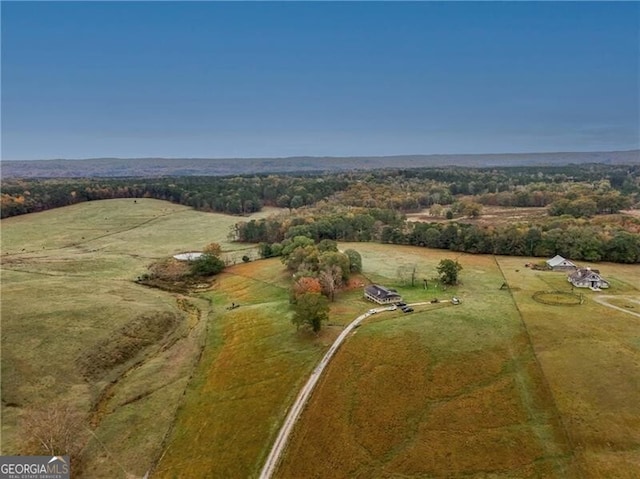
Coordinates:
[558,263]
[381,295]
[587,278]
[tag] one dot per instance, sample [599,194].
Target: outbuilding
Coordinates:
[558,263]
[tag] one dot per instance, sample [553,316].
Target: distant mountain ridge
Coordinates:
[154,167]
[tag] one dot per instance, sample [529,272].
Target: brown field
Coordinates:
[504,215]
[449,392]
[490,215]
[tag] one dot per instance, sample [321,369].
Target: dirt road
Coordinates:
[305,393]
[602,299]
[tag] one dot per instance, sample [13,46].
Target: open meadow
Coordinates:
[183,386]
[77,331]
[500,386]
[250,372]
[590,356]
[445,391]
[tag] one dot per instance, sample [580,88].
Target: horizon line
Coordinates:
[403,155]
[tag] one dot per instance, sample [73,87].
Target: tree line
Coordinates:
[578,239]
[610,187]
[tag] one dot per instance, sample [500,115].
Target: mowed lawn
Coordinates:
[590,355]
[446,391]
[67,286]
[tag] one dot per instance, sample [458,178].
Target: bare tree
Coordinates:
[331,280]
[55,429]
[408,272]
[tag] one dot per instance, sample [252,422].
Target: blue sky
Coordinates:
[265,79]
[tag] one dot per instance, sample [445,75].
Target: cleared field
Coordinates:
[251,371]
[68,309]
[447,391]
[590,355]
[490,215]
[500,386]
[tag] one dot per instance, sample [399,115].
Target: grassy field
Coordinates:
[500,386]
[67,291]
[590,355]
[446,391]
[252,369]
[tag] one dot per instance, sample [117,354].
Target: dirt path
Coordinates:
[295,411]
[602,299]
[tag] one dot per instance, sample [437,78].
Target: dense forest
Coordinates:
[611,188]
[582,203]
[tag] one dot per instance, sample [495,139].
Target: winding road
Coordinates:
[295,411]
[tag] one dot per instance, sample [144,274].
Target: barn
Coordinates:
[558,263]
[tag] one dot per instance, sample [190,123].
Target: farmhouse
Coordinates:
[558,263]
[587,278]
[381,295]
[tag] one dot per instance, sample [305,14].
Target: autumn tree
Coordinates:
[213,249]
[436,209]
[448,270]
[303,259]
[330,259]
[290,245]
[311,309]
[327,245]
[306,284]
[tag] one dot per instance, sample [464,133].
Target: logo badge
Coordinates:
[34,467]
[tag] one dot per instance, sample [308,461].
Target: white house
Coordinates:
[587,278]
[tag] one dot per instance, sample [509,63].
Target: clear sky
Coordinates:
[214,79]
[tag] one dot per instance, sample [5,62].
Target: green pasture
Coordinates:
[498,386]
[66,288]
[590,356]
